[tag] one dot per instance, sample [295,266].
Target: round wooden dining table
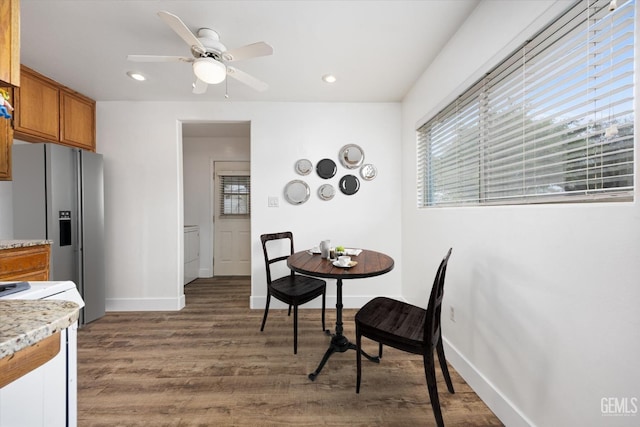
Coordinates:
[367,264]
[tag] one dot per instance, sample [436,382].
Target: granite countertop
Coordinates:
[25,322]
[12,244]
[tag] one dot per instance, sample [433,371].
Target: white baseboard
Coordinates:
[144,304]
[496,401]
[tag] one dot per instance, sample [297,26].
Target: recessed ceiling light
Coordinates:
[329,78]
[136,76]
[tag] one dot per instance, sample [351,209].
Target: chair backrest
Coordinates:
[434,309]
[269,261]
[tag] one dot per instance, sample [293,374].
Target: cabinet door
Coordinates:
[10,42]
[37,108]
[77,120]
[6,140]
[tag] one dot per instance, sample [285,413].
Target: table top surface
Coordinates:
[369,264]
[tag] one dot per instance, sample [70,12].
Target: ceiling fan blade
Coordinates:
[248,51]
[199,87]
[158,58]
[247,79]
[182,30]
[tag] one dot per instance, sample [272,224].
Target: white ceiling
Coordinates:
[377,49]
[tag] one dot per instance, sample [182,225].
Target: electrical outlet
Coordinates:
[452,314]
[273,202]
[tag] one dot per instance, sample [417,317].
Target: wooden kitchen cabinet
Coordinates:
[9,74]
[37,108]
[6,141]
[25,263]
[10,42]
[77,120]
[46,111]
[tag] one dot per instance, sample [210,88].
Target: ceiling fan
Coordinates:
[209,56]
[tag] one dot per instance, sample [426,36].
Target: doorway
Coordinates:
[204,144]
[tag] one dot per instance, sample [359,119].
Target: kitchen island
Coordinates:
[24,323]
[37,339]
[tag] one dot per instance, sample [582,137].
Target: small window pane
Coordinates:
[235,195]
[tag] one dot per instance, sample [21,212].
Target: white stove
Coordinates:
[47,381]
[63,290]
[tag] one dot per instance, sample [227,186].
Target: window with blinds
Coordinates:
[554,122]
[235,194]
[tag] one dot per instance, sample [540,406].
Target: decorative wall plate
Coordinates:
[326,168]
[296,192]
[368,172]
[349,184]
[304,167]
[326,192]
[351,156]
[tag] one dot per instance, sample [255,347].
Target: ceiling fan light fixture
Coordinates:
[209,70]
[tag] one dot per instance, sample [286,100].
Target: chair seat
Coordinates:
[396,323]
[299,288]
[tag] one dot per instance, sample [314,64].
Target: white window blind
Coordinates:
[554,122]
[235,193]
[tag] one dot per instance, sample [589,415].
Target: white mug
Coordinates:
[344,260]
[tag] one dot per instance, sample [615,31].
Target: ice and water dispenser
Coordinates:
[64,220]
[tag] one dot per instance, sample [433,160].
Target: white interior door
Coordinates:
[232,219]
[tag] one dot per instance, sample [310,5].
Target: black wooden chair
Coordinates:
[293,289]
[408,328]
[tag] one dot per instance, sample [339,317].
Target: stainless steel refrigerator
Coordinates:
[58,194]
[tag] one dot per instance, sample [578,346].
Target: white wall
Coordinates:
[142,147]
[545,297]
[198,155]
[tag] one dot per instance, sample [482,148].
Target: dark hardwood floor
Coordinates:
[209,365]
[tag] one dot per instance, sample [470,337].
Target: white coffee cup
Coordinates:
[344,260]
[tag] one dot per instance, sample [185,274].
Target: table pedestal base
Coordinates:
[339,343]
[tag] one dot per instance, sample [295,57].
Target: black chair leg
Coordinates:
[266,311]
[323,305]
[380,350]
[430,373]
[443,366]
[358,359]
[295,329]
[289,314]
